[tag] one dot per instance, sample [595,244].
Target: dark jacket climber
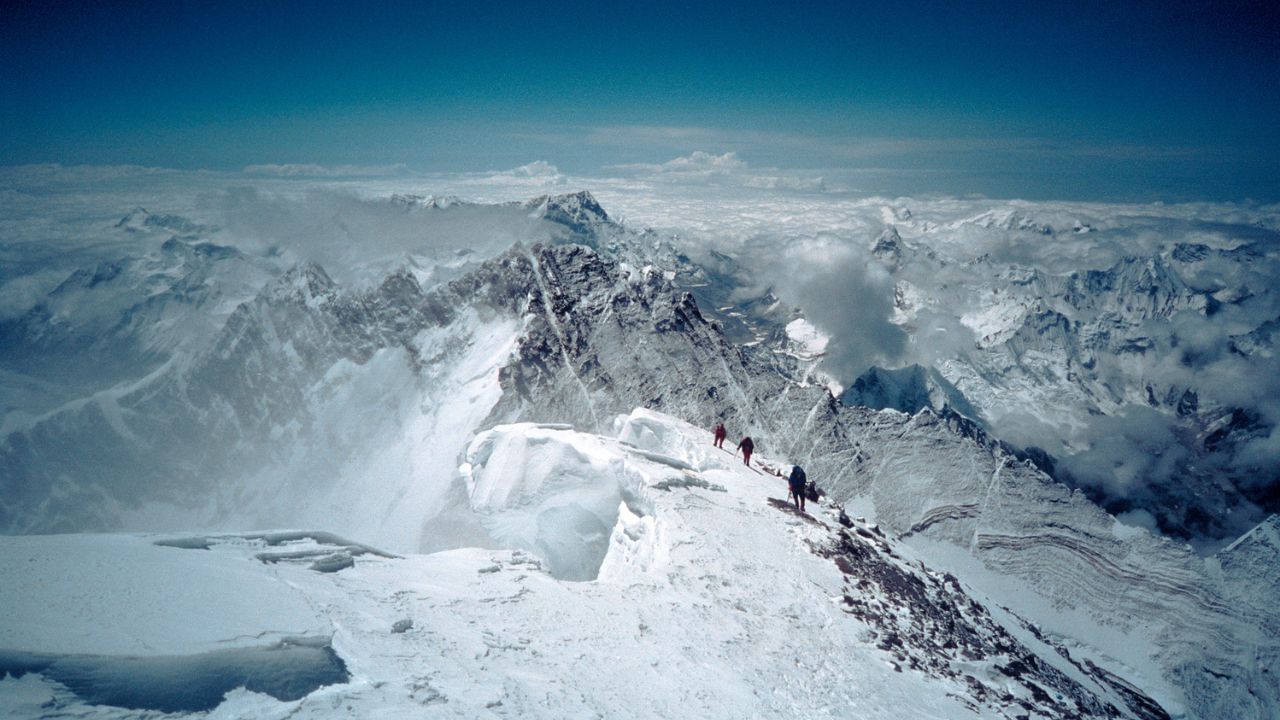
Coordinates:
[814,493]
[747,446]
[797,482]
[720,434]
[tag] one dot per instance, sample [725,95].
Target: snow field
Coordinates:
[124,595]
[136,622]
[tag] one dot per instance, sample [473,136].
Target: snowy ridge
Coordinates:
[263,411]
[771,613]
[876,455]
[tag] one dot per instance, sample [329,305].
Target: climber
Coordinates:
[814,493]
[720,434]
[747,446]
[797,483]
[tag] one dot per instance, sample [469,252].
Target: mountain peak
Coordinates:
[909,389]
[580,212]
[135,220]
[888,246]
[140,219]
[410,201]
[307,283]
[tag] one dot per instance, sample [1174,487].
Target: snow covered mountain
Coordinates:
[349,410]
[122,318]
[908,390]
[1115,368]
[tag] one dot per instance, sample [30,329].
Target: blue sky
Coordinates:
[1081,100]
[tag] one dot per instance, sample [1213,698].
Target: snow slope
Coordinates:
[713,599]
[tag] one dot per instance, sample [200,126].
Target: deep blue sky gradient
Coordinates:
[1084,99]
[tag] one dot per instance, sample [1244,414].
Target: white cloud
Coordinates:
[20,294]
[535,169]
[700,167]
[325,171]
[697,163]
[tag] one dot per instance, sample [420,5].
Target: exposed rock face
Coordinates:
[579,212]
[1078,557]
[887,247]
[945,632]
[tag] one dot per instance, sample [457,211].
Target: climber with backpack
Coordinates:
[747,446]
[813,493]
[797,485]
[720,435]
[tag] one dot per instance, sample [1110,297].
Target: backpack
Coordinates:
[812,493]
[797,479]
